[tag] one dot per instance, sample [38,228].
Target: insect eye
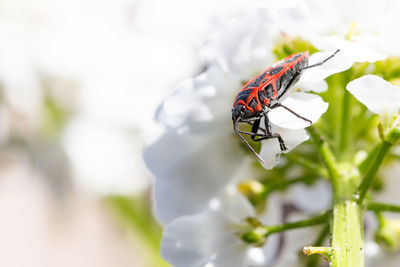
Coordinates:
[242,109]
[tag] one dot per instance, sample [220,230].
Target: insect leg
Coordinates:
[251,134]
[254,128]
[281,142]
[269,134]
[291,111]
[323,61]
[259,128]
[245,141]
[254,132]
[267,124]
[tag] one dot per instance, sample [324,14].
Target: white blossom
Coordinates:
[212,237]
[198,155]
[379,95]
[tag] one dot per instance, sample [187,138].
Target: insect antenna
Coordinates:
[245,141]
[323,61]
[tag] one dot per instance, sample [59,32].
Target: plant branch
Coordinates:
[313,261]
[369,177]
[345,119]
[326,154]
[319,219]
[378,207]
[260,232]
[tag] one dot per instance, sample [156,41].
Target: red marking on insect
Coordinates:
[262,93]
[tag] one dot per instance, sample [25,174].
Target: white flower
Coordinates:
[210,238]
[199,154]
[379,95]
[373,23]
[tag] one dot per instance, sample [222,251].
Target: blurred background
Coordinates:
[79,83]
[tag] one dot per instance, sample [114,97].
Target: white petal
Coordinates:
[232,203]
[377,94]
[236,42]
[194,241]
[210,237]
[317,87]
[270,149]
[309,106]
[338,63]
[183,105]
[205,98]
[355,51]
[190,170]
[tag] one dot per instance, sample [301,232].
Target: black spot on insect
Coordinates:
[294,80]
[300,66]
[262,95]
[269,91]
[276,70]
[257,81]
[253,103]
[285,78]
[304,63]
[277,84]
[244,95]
[248,90]
[290,78]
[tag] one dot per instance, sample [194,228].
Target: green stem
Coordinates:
[347,234]
[326,154]
[259,233]
[364,165]
[313,260]
[374,206]
[347,231]
[257,192]
[380,218]
[347,226]
[369,177]
[344,123]
[322,218]
[326,251]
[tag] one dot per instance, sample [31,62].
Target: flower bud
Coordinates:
[389,234]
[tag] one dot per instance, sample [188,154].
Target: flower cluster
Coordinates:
[202,189]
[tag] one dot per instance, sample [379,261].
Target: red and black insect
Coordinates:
[261,94]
